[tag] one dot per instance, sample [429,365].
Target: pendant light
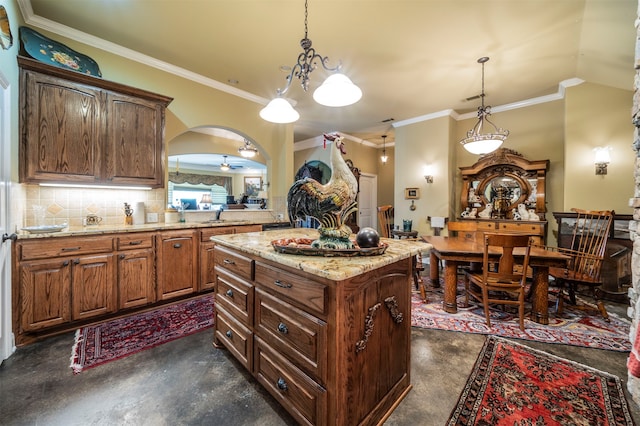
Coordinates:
[384,156]
[477,142]
[336,91]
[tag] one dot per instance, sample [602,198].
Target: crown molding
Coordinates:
[559,95]
[46,24]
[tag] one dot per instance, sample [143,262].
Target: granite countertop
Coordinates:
[110,229]
[333,268]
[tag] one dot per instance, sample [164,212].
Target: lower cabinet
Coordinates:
[93,286]
[330,352]
[61,282]
[177,264]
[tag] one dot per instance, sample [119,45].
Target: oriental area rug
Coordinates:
[101,343]
[512,384]
[578,327]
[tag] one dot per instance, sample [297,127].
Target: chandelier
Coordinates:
[247,151]
[336,91]
[477,142]
[384,156]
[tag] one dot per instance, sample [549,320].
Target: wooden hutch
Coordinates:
[501,186]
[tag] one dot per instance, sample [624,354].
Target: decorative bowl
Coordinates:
[44,229]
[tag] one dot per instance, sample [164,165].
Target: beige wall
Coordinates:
[598,116]
[562,131]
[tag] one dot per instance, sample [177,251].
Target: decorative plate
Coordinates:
[44,229]
[303,246]
[45,50]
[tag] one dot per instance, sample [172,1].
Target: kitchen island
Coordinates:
[328,337]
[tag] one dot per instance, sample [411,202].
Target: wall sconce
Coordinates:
[601,159]
[428,174]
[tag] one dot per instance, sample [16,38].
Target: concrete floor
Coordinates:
[188,382]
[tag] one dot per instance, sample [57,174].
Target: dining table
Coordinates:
[454,251]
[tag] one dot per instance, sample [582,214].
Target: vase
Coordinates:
[406,225]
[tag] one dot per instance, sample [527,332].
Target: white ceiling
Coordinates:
[410,57]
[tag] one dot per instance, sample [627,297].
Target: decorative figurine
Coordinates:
[524,214]
[474,213]
[331,203]
[486,213]
[533,215]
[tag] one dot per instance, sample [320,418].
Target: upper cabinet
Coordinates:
[80,129]
[504,185]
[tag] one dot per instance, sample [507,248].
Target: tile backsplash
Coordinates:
[72,205]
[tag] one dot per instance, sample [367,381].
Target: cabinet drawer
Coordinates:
[233,262]
[235,294]
[299,394]
[237,338]
[291,331]
[309,293]
[524,228]
[57,247]
[207,233]
[134,241]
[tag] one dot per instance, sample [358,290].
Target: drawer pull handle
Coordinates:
[282,385]
[122,256]
[229,334]
[177,245]
[230,293]
[70,248]
[228,262]
[65,263]
[281,284]
[282,328]
[135,243]
[76,261]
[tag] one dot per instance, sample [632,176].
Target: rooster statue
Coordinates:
[331,203]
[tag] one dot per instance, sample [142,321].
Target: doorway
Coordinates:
[7,346]
[367,201]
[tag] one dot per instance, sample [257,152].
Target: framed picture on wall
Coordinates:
[252,184]
[411,193]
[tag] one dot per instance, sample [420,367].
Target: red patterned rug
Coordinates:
[101,343]
[512,384]
[576,327]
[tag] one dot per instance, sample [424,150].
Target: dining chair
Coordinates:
[504,281]
[385,221]
[587,251]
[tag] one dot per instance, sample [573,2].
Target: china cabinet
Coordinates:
[503,184]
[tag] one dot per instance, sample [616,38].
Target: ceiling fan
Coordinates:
[225,166]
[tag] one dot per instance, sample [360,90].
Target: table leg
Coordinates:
[449,303]
[434,272]
[540,295]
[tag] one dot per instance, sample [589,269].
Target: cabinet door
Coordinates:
[61,134]
[177,264]
[93,288]
[136,278]
[207,263]
[45,294]
[134,141]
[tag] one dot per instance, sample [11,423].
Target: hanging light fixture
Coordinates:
[336,91]
[477,142]
[384,157]
[225,167]
[247,151]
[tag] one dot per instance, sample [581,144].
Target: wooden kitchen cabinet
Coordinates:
[177,258]
[311,341]
[136,270]
[207,275]
[93,286]
[45,289]
[76,128]
[63,280]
